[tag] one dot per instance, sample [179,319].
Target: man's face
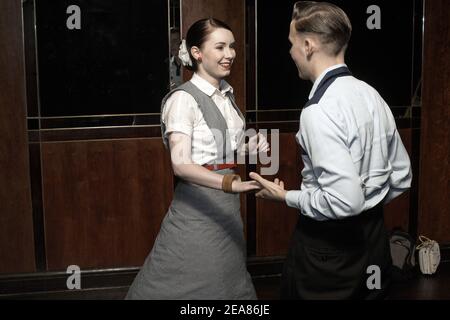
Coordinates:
[298,52]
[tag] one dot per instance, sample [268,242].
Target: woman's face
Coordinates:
[217,54]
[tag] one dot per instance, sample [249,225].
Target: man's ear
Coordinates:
[310,47]
[196,53]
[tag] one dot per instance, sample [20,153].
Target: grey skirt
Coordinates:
[199,253]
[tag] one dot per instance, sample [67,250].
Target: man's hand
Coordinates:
[239,186]
[271,190]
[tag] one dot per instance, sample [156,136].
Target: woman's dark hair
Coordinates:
[198,34]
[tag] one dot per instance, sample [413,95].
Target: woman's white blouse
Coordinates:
[182,114]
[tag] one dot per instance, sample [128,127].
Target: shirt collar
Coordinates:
[208,88]
[322,75]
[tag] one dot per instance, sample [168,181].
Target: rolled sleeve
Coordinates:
[293,198]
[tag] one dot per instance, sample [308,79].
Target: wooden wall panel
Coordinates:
[434,204]
[16,222]
[103,201]
[232,12]
[275,221]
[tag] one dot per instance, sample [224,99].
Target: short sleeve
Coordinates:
[179,113]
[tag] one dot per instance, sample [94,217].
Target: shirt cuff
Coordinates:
[293,198]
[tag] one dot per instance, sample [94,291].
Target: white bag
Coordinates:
[429,255]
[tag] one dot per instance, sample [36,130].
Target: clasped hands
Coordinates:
[265,188]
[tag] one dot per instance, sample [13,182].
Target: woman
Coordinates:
[199,252]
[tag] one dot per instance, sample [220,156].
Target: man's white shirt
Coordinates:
[354,157]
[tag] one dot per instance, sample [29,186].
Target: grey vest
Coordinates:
[213,118]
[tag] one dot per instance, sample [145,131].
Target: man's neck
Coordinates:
[323,63]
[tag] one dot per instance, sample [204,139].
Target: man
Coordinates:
[354,162]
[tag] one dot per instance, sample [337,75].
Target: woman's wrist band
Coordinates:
[227,182]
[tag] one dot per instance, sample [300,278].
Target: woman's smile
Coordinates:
[226,65]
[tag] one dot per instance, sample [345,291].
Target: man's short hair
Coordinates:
[326,20]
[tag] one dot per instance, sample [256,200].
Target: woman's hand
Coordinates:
[257,143]
[270,190]
[239,186]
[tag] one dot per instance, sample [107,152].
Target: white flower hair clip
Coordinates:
[183,54]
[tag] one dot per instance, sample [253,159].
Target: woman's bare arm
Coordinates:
[186,169]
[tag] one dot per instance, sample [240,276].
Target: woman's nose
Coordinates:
[229,53]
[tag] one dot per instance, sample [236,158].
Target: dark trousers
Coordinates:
[330,259]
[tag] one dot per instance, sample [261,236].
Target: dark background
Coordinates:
[117,63]
[383,58]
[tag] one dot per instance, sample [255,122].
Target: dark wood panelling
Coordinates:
[396,212]
[16,229]
[57,280]
[434,204]
[267,287]
[275,221]
[275,115]
[95,133]
[232,12]
[283,127]
[103,201]
[38,212]
[288,120]
[276,121]
[25,284]
[414,192]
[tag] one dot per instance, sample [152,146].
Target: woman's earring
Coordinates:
[199,59]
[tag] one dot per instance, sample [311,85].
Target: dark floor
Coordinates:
[435,287]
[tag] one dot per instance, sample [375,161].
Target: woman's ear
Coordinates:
[196,53]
